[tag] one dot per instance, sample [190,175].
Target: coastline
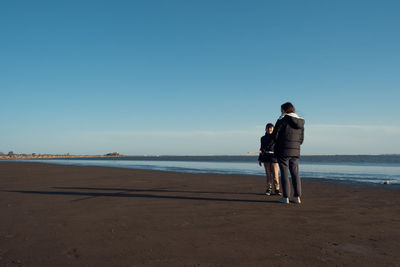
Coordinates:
[366,159]
[52,156]
[73,215]
[354,174]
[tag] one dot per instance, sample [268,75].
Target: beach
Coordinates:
[61,215]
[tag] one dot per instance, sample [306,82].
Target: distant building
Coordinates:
[113,154]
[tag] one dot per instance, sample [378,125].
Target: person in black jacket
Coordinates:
[287,136]
[270,161]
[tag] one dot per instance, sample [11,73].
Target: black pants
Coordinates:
[291,164]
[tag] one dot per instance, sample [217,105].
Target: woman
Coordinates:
[288,135]
[267,157]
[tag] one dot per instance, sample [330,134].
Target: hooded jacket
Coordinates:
[288,135]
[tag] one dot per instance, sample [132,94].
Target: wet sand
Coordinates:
[55,215]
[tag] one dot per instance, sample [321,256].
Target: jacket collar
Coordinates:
[294,115]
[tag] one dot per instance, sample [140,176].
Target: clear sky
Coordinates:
[197,77]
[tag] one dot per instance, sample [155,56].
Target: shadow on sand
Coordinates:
[132,193]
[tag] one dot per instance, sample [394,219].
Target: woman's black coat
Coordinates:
[288,135]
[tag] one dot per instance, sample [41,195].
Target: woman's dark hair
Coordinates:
[288,107]
[269,125]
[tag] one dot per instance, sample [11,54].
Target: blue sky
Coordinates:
[197,77]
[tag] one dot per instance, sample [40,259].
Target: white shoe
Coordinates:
[268,192]
[284,200]
[296,200]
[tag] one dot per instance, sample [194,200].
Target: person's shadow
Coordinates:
[91,192]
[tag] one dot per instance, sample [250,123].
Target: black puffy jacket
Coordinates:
[288,135]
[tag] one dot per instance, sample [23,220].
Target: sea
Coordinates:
[357,169]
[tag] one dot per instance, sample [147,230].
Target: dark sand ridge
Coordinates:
[57,215]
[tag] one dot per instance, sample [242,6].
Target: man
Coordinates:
[288,136]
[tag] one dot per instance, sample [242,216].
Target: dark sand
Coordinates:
[54,215]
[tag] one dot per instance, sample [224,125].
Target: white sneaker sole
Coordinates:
[295,200]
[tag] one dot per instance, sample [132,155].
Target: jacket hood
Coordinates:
[294,120]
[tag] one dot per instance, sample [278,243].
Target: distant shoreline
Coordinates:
[56,156]
[382,158]
[50,156]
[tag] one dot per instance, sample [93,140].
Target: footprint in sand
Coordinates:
[74,253]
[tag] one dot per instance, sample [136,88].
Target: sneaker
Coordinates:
[295,200]
[277,192]
[268,192]
[284,200]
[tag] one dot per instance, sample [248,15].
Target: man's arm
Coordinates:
[302,136]
[275,133]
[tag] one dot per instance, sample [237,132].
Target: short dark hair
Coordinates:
[288,107]
[269,125]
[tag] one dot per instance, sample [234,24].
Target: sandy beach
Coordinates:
[55,215]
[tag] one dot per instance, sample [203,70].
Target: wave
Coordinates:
[346,159]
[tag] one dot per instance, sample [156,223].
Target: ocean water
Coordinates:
[357,169]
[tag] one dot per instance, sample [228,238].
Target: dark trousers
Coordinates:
[291,164]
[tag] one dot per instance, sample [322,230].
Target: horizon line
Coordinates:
[172,155]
